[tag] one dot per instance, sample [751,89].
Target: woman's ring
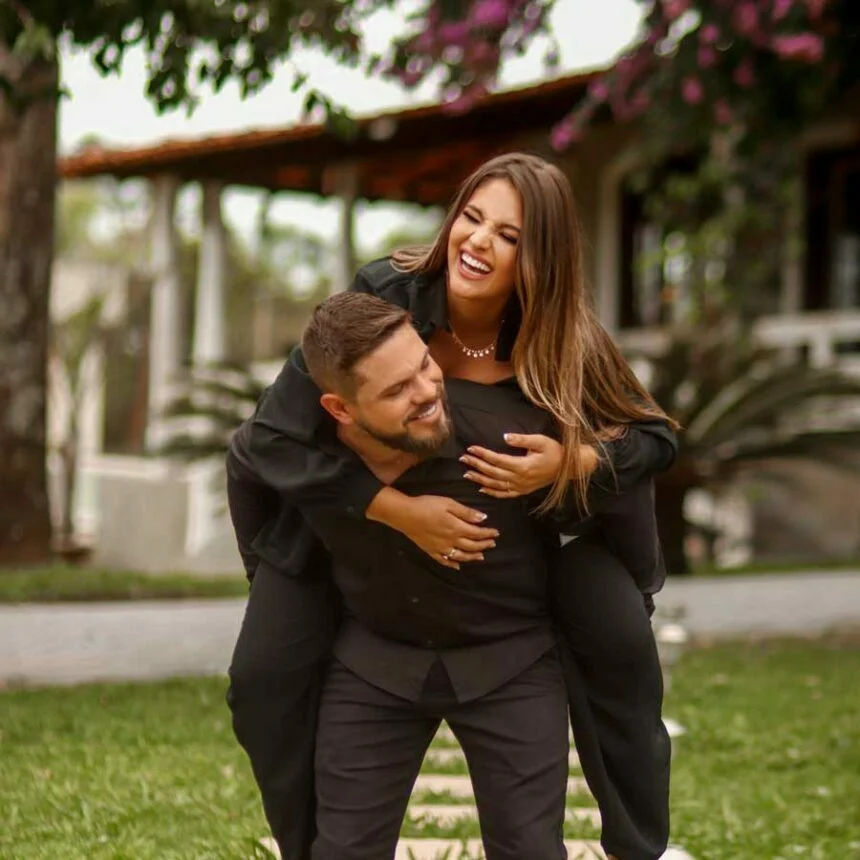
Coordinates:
[450,554]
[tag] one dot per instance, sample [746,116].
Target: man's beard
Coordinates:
[421,447]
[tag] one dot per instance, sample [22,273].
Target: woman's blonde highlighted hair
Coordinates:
[563,358]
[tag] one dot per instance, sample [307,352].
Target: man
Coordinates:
[274,716]
[420,642]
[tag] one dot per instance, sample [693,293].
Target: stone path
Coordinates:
[441,821]
[144,640]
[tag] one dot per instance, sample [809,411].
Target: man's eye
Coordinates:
[396,391]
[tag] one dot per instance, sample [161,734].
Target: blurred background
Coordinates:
[179,188]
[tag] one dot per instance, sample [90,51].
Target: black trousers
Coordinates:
[611,670]
[370,745]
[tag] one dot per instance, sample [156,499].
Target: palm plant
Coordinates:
[740,403]
[208,407]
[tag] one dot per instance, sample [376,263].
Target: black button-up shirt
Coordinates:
[403,610]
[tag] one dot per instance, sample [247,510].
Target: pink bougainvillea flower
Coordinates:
[692,91]
[673,9]
[493,14]
[781,8]
[745,74]
[805,47]
[746,18]
[709,34]
[454,33]
[816,8]
[707,56]
[564,134]
[723,112]
[599,90]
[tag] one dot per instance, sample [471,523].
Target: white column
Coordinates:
[346,188]
[209,314]
[165,323]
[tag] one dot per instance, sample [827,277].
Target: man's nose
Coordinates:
[429,388]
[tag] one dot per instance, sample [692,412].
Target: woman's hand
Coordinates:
[450,533]
[507,476]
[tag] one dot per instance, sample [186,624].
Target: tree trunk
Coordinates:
[670,492]
[28,128]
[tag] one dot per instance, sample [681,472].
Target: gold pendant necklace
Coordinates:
[476,353]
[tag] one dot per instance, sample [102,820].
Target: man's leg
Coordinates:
[615,689]
[370,745]
[275,681]
[515,741]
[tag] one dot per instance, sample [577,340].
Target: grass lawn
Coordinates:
[769,769]
[60,583]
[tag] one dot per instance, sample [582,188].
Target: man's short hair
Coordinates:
[343,330]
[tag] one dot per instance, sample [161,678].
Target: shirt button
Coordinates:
[413,600]
[429,643]
[350,510]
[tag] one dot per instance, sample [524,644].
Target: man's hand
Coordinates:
[450,533]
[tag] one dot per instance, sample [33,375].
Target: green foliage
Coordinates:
[739,402]
[75,584]
[215,401]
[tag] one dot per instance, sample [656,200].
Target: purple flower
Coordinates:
[745,75]
[709,34]
[723,112]
[707,56]
[493,14]
[454,33]
[781,8]
[692,91]
[599,90]
[673,9]
[564,134]
[746,18]
[804,47]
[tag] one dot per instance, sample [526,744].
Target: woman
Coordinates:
[500,293]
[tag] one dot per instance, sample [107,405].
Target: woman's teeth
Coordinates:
[474,264]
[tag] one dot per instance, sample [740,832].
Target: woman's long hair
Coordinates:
[563,358]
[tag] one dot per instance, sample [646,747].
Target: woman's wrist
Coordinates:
[389,507]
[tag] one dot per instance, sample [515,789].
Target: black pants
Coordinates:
[611,670]
[370,746]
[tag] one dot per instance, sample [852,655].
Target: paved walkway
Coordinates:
[77,642]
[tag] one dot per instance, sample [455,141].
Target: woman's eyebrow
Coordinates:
[480,212]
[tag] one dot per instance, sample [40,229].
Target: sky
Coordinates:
[115,109]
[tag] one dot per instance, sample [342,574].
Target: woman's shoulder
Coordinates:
[380,277]
[414,291]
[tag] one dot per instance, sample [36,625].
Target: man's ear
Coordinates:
[337,407]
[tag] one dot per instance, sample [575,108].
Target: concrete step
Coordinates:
[435,849]
[461,786]
[445,757]
[445,814]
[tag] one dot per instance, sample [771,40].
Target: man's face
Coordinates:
[400,397]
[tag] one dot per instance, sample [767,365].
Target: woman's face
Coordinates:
[482,245]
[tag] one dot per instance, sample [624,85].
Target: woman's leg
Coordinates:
[275,682]
[615,687]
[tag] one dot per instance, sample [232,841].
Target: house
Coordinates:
[420,155]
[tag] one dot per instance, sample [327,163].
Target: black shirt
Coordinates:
[403,610]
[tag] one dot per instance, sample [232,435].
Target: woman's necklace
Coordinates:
[476,353]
